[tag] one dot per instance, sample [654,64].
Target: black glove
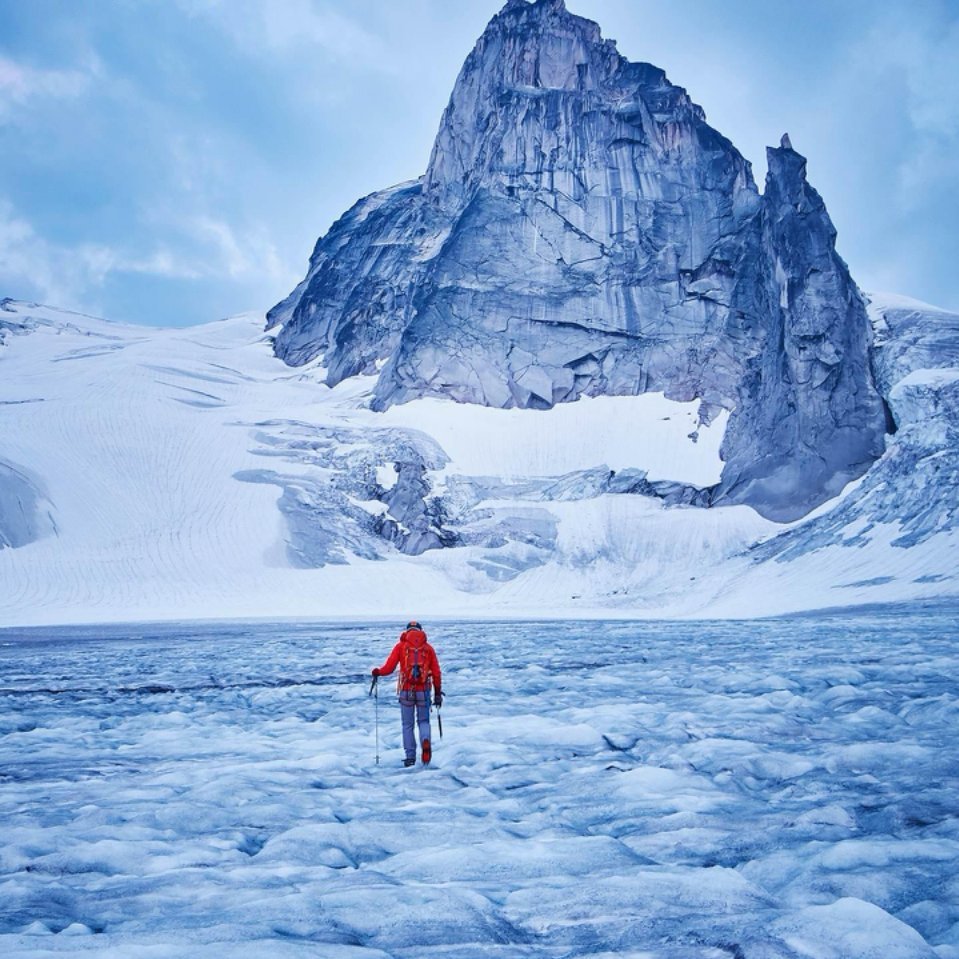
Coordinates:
[437,699]
[376,672]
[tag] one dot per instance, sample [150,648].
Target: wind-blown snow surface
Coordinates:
[765,790]
[158,474]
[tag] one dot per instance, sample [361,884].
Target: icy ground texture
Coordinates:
[581,230]
[772,790]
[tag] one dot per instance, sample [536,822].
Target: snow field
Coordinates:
[682,791]
[136,440]
[649,431]
[135,474]
[836,576]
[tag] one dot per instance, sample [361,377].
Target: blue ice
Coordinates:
[777,788]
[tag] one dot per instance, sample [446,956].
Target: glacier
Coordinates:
[582,367]
[778,789]
[675,500]
[157,474]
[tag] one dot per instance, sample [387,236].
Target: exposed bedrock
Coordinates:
[581,230]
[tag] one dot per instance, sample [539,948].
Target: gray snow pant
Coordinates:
[414,702]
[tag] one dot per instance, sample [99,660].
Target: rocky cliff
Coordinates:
[909,497]
[581,230]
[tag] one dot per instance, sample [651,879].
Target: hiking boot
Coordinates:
[427,752]
[410,762]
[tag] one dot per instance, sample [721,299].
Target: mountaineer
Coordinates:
[419,674]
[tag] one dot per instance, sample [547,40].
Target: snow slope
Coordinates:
[617,431]
[155,474]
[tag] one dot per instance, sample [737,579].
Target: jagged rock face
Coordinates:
[909,496]
[809,418]
[581,230]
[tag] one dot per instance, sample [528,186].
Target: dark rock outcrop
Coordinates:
[582,230]
[808,417]
[909,497]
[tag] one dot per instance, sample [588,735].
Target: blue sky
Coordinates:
[173,161]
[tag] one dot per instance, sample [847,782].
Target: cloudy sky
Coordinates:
[173,161]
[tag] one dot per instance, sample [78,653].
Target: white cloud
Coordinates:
[267,28]
[251,253]
[930,64]
[921,66]
[163,263]
[32,267]
[205,248]
[22,85]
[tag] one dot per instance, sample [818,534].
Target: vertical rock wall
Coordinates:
[582,230]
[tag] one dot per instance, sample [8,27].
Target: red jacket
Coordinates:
[413,650]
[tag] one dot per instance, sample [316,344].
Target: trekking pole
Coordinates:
[375,693]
